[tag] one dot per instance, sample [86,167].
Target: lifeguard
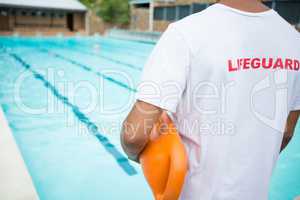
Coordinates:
[263,63]
[263,113]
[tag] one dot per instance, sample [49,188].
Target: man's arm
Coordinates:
[290,128]
[137,128]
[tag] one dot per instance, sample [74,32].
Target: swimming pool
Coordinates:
[65,99]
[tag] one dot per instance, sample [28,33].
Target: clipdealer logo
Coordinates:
[277,82]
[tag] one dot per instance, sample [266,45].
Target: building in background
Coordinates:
[156,15]
[48,16]
[170,11]
[140,15]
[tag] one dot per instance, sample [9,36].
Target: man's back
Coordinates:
[238,76]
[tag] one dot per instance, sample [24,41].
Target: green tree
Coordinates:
[89,3]
[114,11]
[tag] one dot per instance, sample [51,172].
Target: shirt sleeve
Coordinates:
[165,73]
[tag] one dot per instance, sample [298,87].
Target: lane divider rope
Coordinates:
[100,56]
[89,69]
[121,160]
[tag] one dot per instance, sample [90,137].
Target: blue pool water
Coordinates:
[65,99]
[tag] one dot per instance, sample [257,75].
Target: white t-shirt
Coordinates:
[229,78]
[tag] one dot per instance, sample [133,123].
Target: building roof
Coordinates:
[45,4]
[139,1]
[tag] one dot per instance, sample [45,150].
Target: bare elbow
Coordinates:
[132,140]
[137,128]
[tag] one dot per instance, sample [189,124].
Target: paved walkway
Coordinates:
[15,181]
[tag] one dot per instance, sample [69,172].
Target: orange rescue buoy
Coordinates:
[164,161]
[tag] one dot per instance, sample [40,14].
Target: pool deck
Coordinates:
[15,181]
[138,36]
